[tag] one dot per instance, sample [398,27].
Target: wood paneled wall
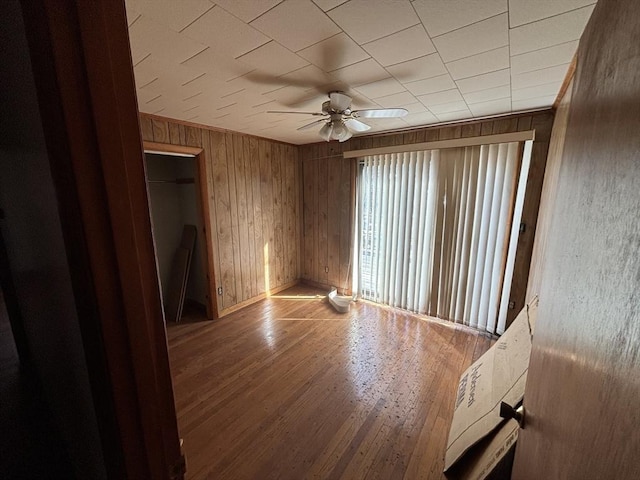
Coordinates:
[254,194]
[329,185]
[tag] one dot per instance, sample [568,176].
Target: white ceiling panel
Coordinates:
[296,24]
[418,69]
[543,58]
[526,11]
[442,16]
[175,15]
[539,77]
[381,88]
[224,63]
[247,10]
[327,5]
[431,85]
[447,107]
[225,33]
[550,31]
[537,91]
[273,59]
[487,95]
[485,81]
[366,71]
[366,20]
[477,38]
[529,103]
[400,47]
[334,53]
[492,107]
[486,62]
[453,116]
[438,98]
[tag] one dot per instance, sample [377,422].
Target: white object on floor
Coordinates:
[340,302]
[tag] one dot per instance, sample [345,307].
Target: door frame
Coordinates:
[202,193]
[83,72]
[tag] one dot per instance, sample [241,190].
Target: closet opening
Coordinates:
[179,238]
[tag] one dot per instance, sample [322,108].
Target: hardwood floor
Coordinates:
[288,388]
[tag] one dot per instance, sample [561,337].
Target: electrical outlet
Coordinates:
[219,290]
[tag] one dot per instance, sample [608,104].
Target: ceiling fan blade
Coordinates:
[339,101]
[381,113]
[356,125]
[312,124]
[320,114]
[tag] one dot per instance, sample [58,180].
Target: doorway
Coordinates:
[178,235]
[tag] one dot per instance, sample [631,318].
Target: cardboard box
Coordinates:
[497,376]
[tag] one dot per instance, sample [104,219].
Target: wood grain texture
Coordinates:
[252,199]
[583,388]
[320,241]
[288,388]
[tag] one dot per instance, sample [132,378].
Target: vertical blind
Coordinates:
[434,230]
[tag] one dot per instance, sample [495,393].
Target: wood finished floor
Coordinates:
[288,388]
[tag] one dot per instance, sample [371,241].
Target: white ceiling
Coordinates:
[225,63]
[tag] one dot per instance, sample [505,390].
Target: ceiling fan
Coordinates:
[340,122]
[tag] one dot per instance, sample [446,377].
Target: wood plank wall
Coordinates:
[329,183]
[254,207]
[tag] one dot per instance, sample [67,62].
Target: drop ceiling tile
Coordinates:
[309,77]
[381,88]
[543,58]
[487,95]
[333,53]
[401,46]
[414,108]
[147,36]
[327,5]
[550,31]
[247,10]
[439,98]
[526,11]
[452,116]
[431,85]
[296,24]
[485,62]
[539,102]
[366,21]
[217,65]
[484,81]
[420,118]
[360,73]
[544,90]
[175,15]
[539,77]
[442,16]
[273,59]
[132,14]
[447,107]
[290,95]
[225,33]
[493,107]
[168,76]
[477,38]
[257,83]
[418,69]
[396,100]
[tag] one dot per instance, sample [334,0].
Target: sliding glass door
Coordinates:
[434,229]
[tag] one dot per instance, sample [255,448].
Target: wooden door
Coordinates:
[582,397]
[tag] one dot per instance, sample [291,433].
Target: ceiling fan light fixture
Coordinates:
[326,131]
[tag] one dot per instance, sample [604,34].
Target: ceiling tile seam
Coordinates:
[260,46]
[469,25]
[153,99]
[192,96]
[227,106]
[484,73]
[193,79]
[479,53]
[535,86]
[542,48]
[193,118]
[263,13]
[343,66]
[538,69]
[158,111]
[232,93]
[412,59]
[492,100]
[141,60]
[148,83]
[192,108]
[552,16]
[134,21]
[397,31]
[197,18]
[206,47]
